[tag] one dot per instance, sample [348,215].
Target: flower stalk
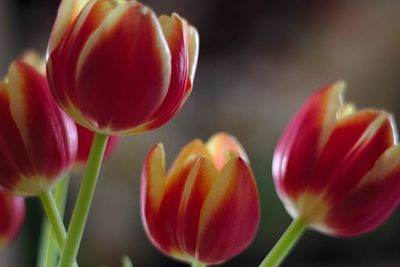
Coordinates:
[84,200]
[285,243]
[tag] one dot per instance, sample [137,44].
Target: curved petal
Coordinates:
[129,97]
[48,134]
[194,147]
[372,201]
[67,13]
[302,141]
[355,144]
[230,215]
[62,61]
[193,40]
[223,147]
[174,29]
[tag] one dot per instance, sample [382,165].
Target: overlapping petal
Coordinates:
[346,165]
[38,141]
[116,68]
[191,212]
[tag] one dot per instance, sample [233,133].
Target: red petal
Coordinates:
[298,148]
[371,202]
[174,29]
[124,70]
[230,215]
[355,144]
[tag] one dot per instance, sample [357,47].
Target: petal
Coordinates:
[67,13]
[152,194]
[124,70]
[194,45]
[174,29]
[230,215]
[372,201]
[355,144]
[62,61]
[223,147]
[47,133]
[198,184]
[194,147]
[169,210]
[298,148]
[14,161]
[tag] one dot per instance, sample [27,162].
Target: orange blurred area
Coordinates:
[259,60]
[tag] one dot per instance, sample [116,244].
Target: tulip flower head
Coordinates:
[12,214]
[85,139]
[206,207]
[336,167]
[117,69]
[38,140]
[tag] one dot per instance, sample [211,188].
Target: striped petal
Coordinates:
[67,13]
[139,91]
[355,144]
[230,214]
[372,201]
[63,60]
[302,141]
[174,29]
[223,147]
[48,135]
[193,41]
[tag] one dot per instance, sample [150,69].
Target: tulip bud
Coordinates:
[12,214]
[38,141]
[336,167]
[206,207]
[85,139]
[117,69]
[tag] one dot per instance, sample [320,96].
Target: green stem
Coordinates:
[285,243]
[51,209]
[48,249]
[198,264]
[84,201]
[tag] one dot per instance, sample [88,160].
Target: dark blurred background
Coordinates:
[259,61]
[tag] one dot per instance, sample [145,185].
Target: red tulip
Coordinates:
[38,141]
[206,208]
[117,69]
[85,139]
[338,168]
[12,214]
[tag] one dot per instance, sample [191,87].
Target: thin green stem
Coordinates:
[285,243]
[84,201]
[51,209]
[48,251]
[198,264]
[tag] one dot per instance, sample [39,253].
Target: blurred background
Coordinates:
[259,61]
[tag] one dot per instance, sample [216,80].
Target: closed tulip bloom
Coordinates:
[336,167]
[38,141]
[85,139]
[206,207]
[12,214]
[117,69]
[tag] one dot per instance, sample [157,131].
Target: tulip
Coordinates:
[117,69]
[38,141]
[85,139]
[337,169]
[12,214]
[205,208]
